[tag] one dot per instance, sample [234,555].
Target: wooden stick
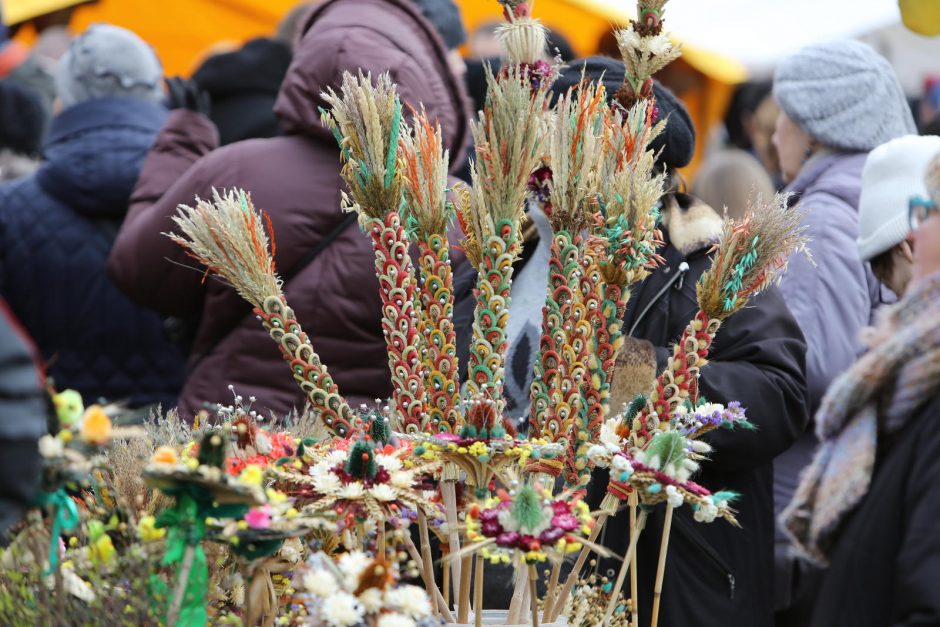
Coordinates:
[534,593]
[463,605]
[559,603]
[627,560]
[478,593]
[380,549]
[449,492]
[661,568]
[634,596]
[445,573]
[441,603]
[518,597]
[552,590]
[427,560]
[180,590]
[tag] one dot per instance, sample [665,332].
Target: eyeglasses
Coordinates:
[920,209]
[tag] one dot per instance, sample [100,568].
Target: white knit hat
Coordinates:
[893,173]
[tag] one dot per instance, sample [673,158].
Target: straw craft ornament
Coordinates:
[367,122]
[507,137]
[228,237]
[646,50]
[428,214]
[750,257]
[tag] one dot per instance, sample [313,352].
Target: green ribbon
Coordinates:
[186,526]
[64,518]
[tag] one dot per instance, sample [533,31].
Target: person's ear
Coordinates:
[907,250]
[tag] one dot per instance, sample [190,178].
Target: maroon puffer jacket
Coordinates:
[296,179]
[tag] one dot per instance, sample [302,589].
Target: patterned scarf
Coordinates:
[876,397]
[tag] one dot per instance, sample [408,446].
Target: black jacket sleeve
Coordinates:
[758,359]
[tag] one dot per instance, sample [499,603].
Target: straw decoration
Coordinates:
[574,152]
[367,123]
[428,215]
[751,255]
[227,237]
[645,50]
[507,138]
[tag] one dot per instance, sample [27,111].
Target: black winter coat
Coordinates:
[717,574]
[56,230]
[885,564]
[243,86]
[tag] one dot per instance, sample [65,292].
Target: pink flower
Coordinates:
[259,517]
[566,522]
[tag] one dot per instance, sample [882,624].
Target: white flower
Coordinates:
[50,446]
[628,37]
[383,492]
[702,448]
[706,513]
[707,409]
[371,600]
[389,462]
[659,45]
[319,469]
[320,583]
[341,609]
[327,484]
[395,620]
[622,464]
[351,565]
[334,458]
[609,433]
[291,550]
[401,479]
[673,496]
[351,491]
[598,455]
[410,600]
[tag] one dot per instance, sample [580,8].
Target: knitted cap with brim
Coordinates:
[894,172]
[844,95]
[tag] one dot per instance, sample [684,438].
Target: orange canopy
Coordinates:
[185,31]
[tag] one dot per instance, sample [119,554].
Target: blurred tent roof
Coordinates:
[183,31]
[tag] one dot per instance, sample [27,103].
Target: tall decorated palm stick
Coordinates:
[507,138]
[228,237]
[627,237]
[428,215]
[367,122]
[573,153]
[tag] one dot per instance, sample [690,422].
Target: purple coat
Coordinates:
[832,300]
[296,180]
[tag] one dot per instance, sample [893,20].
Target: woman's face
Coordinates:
[927,247]
[792,145]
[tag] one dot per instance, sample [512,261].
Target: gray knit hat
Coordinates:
[844,95]
[108,61]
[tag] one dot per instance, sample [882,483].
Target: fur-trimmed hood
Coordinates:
[692,224]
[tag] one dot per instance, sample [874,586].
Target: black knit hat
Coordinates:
[445,16]
[677,141]
[22,118]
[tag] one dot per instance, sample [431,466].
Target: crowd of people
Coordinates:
[838,367]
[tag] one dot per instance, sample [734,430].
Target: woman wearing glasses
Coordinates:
[893,173]
[869,504]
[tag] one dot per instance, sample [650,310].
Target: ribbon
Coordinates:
[64,518]
[185,530]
